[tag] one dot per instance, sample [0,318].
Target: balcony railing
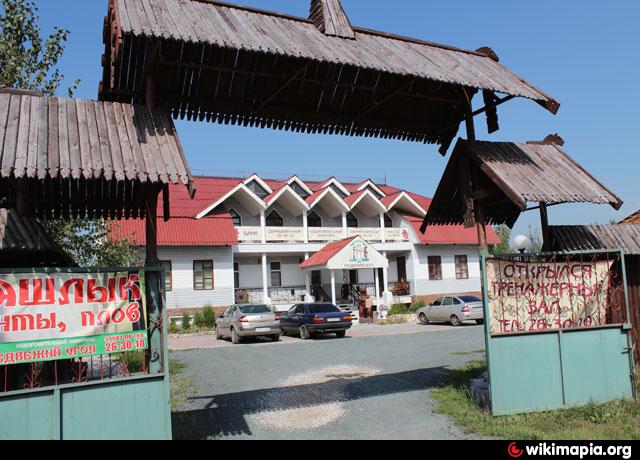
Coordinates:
[319,234]
[278,295]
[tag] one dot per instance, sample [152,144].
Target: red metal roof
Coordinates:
[214,230]
[324,255]
[450,234]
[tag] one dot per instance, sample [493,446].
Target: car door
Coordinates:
[435,310]
[286,322]
[226,319]
[447,309]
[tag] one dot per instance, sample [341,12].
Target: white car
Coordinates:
[454,309]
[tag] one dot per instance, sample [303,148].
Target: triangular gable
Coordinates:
[357,254]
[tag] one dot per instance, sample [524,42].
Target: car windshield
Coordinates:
[323,308]
[254,309]
[469,298]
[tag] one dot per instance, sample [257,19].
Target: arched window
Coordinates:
[352,221]
[314,220]
[235,217]
[274,220]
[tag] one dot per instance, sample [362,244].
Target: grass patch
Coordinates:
[466,353]
[182,387]
[397,319]
[609,421]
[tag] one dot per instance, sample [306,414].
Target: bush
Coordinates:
[173,326]
[134,360]
[186,321]
[209,316]
[198,319]
[398,309]
[417,306]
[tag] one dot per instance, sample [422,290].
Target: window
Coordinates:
[340,193]
[203,275]
[274,220]
[257,189]
[435,268]
[314,220]
[402,268]
[236,275]
[352,221]
[235,217]
[276,275]
[168,276]
[462,268]
[299,190]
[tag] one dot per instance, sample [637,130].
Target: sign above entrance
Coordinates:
[357,254]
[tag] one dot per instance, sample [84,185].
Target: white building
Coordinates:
[243,240]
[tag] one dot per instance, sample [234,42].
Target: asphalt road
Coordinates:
[373,387]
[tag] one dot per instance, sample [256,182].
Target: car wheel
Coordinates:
[235,338]
[341,334]
[304,333]
[479,321]
[423,318]
[275,338]
[455,321]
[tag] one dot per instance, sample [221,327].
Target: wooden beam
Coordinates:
[544,222]
[282,88]
[383,100]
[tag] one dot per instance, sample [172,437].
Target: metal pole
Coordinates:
[544,223]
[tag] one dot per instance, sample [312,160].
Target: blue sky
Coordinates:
[584,53]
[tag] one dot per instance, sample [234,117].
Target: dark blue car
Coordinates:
[307,319]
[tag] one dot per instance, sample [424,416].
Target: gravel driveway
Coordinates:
[364,387]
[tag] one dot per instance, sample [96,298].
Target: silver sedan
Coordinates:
[239,321]
[454,309]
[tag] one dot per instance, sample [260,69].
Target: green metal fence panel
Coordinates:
[596,366]
[525,373]
[124,411]
[30,417]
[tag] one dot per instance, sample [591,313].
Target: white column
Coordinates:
[333,287]
[383,237]
[263,225]
[265,282]
[385,274]
[344,224]
[307,276]
[377,281]
[305,225]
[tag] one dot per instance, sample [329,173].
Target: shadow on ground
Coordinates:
[225,414]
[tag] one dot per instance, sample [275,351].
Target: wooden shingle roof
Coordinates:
[220,62]
[84,154]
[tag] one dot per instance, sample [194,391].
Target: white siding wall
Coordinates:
[421,285]
[288,219]
[183,295]
[328,221]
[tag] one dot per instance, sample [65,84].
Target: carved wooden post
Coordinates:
[152,286]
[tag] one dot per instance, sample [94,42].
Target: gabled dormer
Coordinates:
[258,186]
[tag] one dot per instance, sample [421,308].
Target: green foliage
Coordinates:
[186,321]
[209,315]
[417,306]
[613,420]
[198,320]
[504,233]
[134,361]
[26,60]
[398,309]
[89,243]
[173,326]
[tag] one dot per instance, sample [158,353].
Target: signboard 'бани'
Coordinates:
[45,317]
[534,296]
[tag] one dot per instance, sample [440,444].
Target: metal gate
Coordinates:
[554,343]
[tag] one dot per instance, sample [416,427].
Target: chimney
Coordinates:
[329,17]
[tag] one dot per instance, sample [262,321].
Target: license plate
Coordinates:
[333,320]
[263,329]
